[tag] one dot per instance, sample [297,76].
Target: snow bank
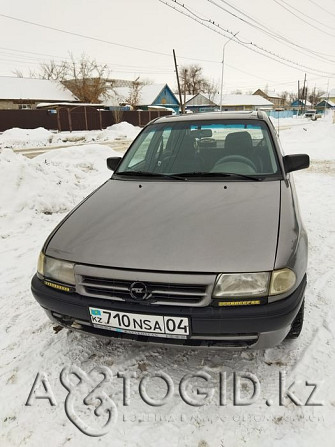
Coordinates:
[54,182]
[17,137]
[316,138]
[119,131]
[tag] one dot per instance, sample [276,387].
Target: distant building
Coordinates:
[156,95]
[26,93]
[325,104]
[243,102]
[299,104]
[330,95]
[200,103]
[273,97]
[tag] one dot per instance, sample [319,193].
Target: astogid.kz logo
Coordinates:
[89,405]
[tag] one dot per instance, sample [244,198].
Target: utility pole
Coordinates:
[304,94]
[298,96]
[182,106]
[326,100]
[185,77]
[222,70]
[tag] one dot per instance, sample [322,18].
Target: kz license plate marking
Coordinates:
[140,324]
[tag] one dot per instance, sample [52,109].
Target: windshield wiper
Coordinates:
[150,174]
[221,174]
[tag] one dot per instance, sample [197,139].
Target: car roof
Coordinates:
[213,116]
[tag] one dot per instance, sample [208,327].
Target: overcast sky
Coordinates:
[136,31]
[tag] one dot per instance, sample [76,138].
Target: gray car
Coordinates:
[196,239]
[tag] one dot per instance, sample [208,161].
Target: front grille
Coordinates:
[164,288]
[159,293]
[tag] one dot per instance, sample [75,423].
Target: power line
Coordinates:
[323,9]
[96,39]
[306,15]
[250,45]
[303,20]
[63,58]
[114,43]
[82,35]
[263,28]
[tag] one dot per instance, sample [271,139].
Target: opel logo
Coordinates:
[138,291]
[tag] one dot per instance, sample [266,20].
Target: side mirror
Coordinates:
[296,162]
[113,162]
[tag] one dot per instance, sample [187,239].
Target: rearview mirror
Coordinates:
[113,162]
[296,162]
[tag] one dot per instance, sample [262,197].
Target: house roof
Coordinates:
[187,97]
[148,93]
[243,100]
[33,89]
[302,102]
[268,93]
[199,99]
[272,94]
[330,103]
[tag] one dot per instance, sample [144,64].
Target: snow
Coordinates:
[21,138]
[148,94]
[17,137]
[33,89]
[307,137]
[35,195]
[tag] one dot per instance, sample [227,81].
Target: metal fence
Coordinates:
[75,118]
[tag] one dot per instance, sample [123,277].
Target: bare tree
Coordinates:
[193,80]
[135,93]
[117,115]
[84,77]
[54,71]
[210,88]
[315,96]
[18,73]
[32,74]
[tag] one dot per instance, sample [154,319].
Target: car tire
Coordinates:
[297,323]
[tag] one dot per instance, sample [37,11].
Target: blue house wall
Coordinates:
[167,99]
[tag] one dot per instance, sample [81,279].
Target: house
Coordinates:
[200,103]
[26,93]
[325,104]
[299,104]
[330,95]
[273,97]
[243,102]
[157,95]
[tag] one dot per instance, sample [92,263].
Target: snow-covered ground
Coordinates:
[35,195]
[17,138]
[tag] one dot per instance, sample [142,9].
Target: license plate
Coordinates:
[140,324]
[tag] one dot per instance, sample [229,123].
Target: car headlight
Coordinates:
[282,281]
[250,285]
[241,285]
[55,269]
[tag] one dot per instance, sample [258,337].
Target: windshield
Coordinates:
[214,148]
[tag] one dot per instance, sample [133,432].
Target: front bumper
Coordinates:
[257,327]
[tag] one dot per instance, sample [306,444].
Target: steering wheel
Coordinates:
[238,159]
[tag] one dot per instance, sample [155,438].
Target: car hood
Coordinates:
[184,226]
